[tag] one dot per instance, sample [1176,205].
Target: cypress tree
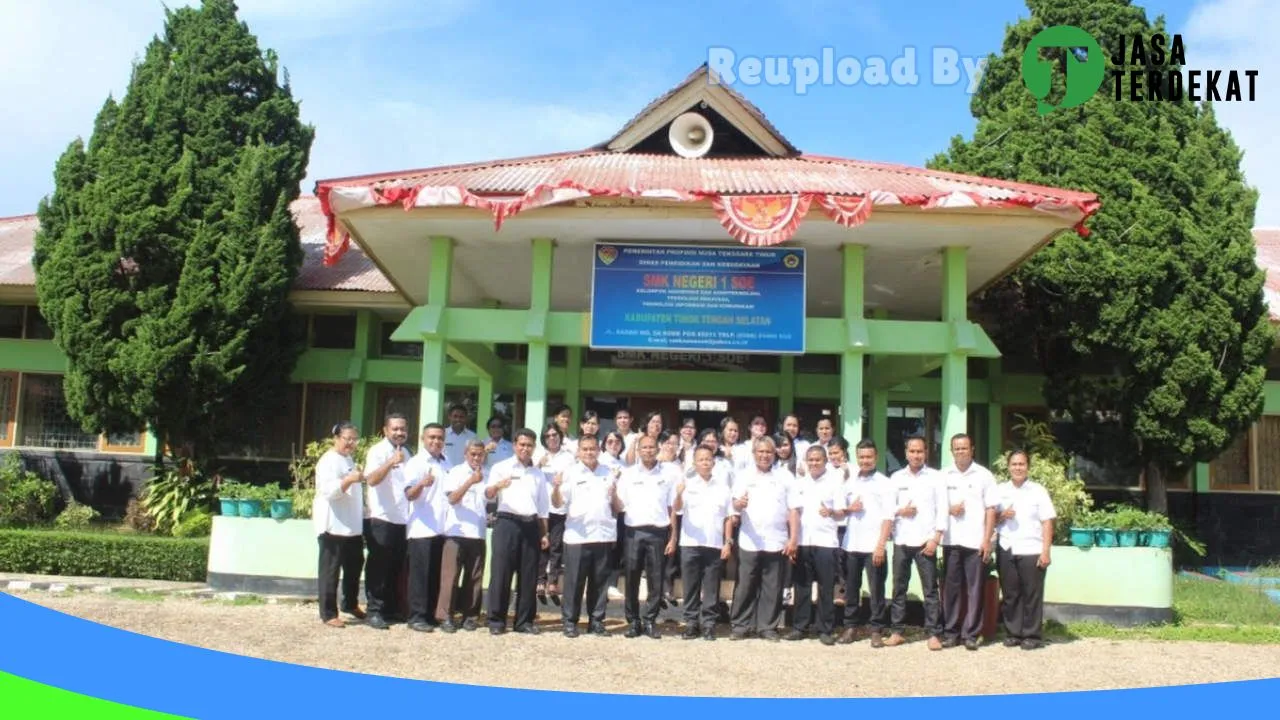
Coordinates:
[167,250]
[1152,332]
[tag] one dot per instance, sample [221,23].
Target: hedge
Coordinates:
[109,555]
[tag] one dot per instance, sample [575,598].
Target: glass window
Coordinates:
[394,349]
[403,399]
[8,406]
[326,406]
[1230,470]
[11,321]
[333,332]
[37,328]
[45,422]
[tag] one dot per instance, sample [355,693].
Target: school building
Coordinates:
[695,263]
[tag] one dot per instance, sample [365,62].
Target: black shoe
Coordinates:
[528,629]
[470,624]
[634,631]
[420,626]
[690,633]
[1012,642]
[1032,644]
[448,626]
[651,629]
[795,635]
[597,628]
[738,635]
[827,639]
[376,622]
[571,631]
[708,633]
[949,643]
[770,635]
[496,629]
[971,644]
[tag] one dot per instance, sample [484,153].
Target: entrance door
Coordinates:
[905,421]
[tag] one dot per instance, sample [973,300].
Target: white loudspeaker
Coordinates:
[690,135]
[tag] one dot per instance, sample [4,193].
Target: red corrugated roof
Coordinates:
[356,273]
[1267,242]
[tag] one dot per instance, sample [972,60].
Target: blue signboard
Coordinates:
[708,299]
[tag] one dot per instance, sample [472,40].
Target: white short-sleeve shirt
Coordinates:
[826,491]
[465,518]
[455,445]
[862,529]
[588,505]
[336,511]
[505,450]
[527,496]
[557,463]
[975,487]
[770,499]
[386,500]
[647,494]
[1023,534]
[927,492]
[704,507]
[427,511]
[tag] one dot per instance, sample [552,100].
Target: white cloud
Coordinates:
[1235,34]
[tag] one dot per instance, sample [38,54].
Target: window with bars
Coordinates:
[325,406]
[45,422]
[8,407]
[1252,463]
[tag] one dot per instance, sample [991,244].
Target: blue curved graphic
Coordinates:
[63,651]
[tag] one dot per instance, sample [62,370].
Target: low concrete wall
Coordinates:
[1121,586]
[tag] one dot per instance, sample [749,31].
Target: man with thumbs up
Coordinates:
[585,490]
[388,514]
[920,518]
[424,478]
[768,506]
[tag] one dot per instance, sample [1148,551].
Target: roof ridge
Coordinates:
[10,218]
[376,177]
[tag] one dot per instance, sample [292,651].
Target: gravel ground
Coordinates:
[644,666]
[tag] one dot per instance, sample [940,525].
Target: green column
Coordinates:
[955,371]
[787,385]
[535,393]
[995,410]
[366,326]
[573,380]
[880,426]
[857,340]
[484,404]
[434,344]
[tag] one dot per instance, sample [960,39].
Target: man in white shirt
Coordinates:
[704,503]
[457,436]
[769,532]
[966,545]
[519,535]
[645,493]
[337,516]
[388,514]
[820,495]
[585,490]
[465,520]
[920,518]
[497,447]
[622,421]
[424,478]
[868,523]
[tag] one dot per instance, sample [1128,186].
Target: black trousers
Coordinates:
[927,568]
[424,565]
[646,552]
[551,562]
[586,567]
[345,554]
[757,596]
[700,571]
[387,550]
[1022,590]
[878,611]
[515,553]
[963,577]
[673,565]
[841,581]
[815,564]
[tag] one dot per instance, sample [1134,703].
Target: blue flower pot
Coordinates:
[281,509]
[1127,538]
[250,508]
[1158,538]
[229,507]
[1106,537]
[1082,537]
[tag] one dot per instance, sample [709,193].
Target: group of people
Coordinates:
[570,513]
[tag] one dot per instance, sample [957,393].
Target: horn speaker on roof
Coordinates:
[690,135]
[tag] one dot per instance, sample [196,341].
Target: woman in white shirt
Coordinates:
[611,449]
[688,442]
[552,458]
[337,513]
[1024,527]
[786,453]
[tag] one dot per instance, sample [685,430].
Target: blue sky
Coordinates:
[396,84]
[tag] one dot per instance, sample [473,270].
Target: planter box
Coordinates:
[267,557]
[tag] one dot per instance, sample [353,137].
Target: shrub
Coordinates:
[51,552]
[137,519]
[303,471]
[26,499]
[197,523]
[75,517]
[174,490]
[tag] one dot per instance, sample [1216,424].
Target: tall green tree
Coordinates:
[167,250]
[1152,332]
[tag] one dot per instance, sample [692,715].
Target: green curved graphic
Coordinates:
[1083,78]
[29,699]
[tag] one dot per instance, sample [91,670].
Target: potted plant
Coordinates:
[1158,530]
[1084,529]
[281,503]
[251,505]
[230,493]
[1129,521]
[1104,522]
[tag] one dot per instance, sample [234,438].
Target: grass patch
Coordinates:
[1203,612]
[240,601]
[1271,570]
[135,594]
